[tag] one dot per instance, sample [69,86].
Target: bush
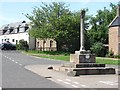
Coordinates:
[23,45]
[17,46]
[98,49]
[110,54]
[116,56]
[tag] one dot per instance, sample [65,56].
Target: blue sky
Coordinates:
[11,12]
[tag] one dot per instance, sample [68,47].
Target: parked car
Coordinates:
[7,46]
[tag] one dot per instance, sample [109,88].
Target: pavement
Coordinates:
[82,81]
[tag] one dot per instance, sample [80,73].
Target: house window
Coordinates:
[13,40]
[26,28]
[17,29]
[44,44]
[4,31]
[37,44]
[7,39]
[10,31]
[51,43]
[16,41]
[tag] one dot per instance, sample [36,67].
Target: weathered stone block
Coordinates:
[89,71]
[82,58]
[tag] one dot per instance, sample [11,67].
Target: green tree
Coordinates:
[99,26]
[98,49]
[55,21]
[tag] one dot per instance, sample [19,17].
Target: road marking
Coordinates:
[16,62]
[7,57]
[59,80]
[108,82]
[13,60]
[20,64]
[74,86]
[10,58]
[66,82]
[83,85]
[4,56]
[75,82]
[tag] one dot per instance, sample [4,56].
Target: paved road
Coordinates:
[15,76]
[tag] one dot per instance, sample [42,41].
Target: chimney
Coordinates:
[118,9]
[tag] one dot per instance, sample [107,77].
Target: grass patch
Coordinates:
[65,56]
[49,52]
[107,61]
[55,57]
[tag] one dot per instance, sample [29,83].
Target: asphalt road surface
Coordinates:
[15,76]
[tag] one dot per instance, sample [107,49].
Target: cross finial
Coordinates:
[82,13]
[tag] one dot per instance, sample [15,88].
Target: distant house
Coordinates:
[46,45]
[114,33]
[14,32]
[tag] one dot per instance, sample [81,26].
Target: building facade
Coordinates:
[14,32]
[114,34]
[46,45]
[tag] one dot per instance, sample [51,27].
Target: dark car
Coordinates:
[7,46]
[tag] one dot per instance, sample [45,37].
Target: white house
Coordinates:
[14,32]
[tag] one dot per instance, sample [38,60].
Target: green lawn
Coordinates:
[66,57]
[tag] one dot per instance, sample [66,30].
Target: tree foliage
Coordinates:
[99,24]
[55,21]
[98,49]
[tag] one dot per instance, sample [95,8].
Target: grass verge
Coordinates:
[66,57]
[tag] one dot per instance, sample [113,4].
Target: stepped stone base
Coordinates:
[72,69]
[83,63]
[89,71]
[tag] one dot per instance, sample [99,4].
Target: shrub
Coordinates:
[23,45]
[116,56]
[110,54]
[98,49]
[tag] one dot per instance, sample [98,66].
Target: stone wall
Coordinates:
[114,40]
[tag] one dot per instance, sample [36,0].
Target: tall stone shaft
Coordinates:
[82,48]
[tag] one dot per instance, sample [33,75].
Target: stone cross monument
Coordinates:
[82,48]
[83,62]
[82,56]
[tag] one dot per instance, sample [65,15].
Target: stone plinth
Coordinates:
[82,57]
